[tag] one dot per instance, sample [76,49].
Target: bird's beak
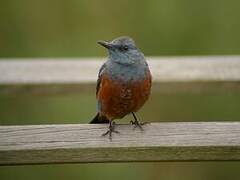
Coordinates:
[105,44]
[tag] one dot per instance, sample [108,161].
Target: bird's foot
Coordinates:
[111,129]
[136,123]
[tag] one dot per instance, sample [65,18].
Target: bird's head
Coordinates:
[123,50]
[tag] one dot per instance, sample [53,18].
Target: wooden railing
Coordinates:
[81,143]
[84,70]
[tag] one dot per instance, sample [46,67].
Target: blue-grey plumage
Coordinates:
[125,60]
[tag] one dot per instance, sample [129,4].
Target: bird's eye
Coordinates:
[125,48]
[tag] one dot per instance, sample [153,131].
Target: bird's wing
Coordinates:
[100,73]
[100,118]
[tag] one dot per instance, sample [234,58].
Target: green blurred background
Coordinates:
[160,27]
[30,28]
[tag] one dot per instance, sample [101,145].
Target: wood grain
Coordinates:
[83,143]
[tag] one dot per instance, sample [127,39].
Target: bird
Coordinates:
[123,84]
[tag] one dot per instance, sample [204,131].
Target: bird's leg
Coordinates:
[136,122]
[110,130]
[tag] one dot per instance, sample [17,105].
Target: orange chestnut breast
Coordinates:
[118,98]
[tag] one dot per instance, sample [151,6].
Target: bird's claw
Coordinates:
[138,124]
[110,130]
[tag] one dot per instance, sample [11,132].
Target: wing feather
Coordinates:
[99,80]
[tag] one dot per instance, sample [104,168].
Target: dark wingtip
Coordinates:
[99,120]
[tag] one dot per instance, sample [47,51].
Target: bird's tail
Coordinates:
[99,119]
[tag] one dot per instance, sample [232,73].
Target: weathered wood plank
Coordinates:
[84,70]
[81,143]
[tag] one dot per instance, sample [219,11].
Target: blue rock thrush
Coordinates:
[124,83]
